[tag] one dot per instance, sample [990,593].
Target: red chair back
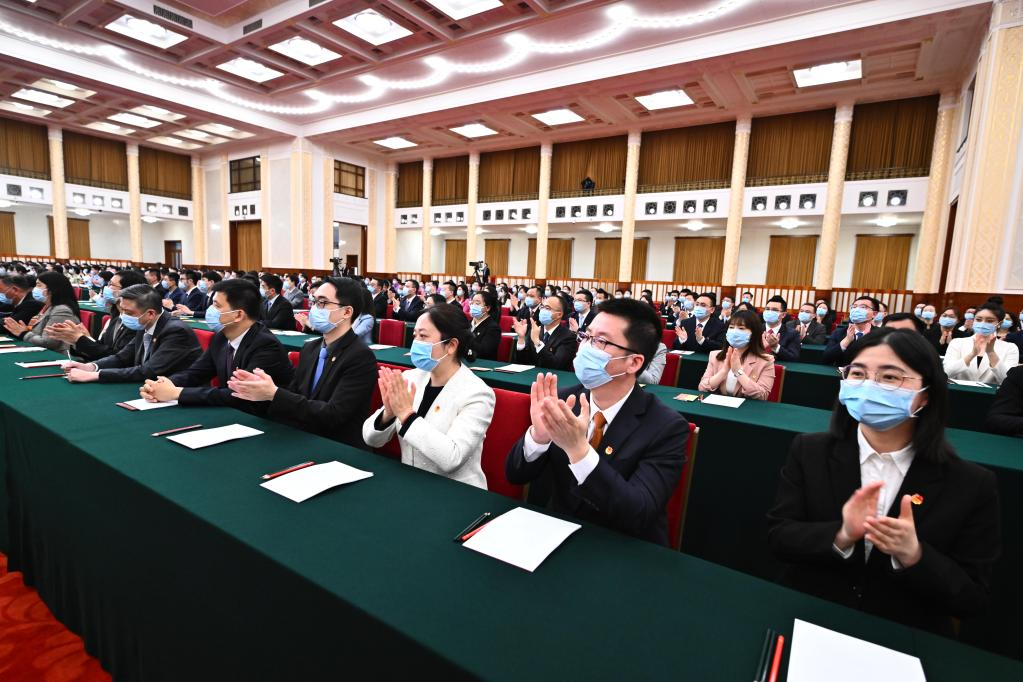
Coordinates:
[513,408]
[680,498]
[506,323]
[293,356]
[86,317]
[390,311]
[672,365]
[392,332]
[504,348]
[204,337]
[779,380]
[505,311]
[391,449]
[668,338]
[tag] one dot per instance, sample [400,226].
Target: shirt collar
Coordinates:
[609,412]
[152,327]
[902,458]
[237,341]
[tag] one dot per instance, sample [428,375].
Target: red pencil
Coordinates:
[777,659]
[473,532]
[303,465]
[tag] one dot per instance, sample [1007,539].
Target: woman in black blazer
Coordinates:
[919,551]
[486,331]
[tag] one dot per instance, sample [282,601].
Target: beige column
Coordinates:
[928,255]
[301,207]
[265,193]
[225,228]
[736,198]
[629,207]
[60,236]
[327,191]
[833,201]
[198,212]
[427,265]
[134,203]
[390,206]
[546,151]
[372,223]
[986,219]
[470,211]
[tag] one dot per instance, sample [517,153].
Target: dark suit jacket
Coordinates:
[586,320]
[280,316]
[486,338]
[630,488]
[524,313]
[833,354]
[177,296]
[259,348]
[380,305]
[195,301]
[26,310]
[1006,413]
[957,525]
[557,353]
[713,335]
[338,405]
[1015,337]
[815,332]
[174,347]
[410,309]
[112,339]
[788,343]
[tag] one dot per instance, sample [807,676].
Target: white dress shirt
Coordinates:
[237,341]
[520,344]
[584,467]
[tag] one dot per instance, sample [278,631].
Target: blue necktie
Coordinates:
[858,335]
[319,366]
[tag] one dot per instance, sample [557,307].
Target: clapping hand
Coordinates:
[256,386]
[680,332]
[553,419]
[14,326]
[896,537]
[861,505]
[733,359]
[519,326]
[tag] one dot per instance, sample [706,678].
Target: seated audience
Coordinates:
[944,330]
[806,325]
[907,321]
[409,306]
[546,343]
[655,370]
[364,322]
[296,297]
[22,305]
[860,323]
[783,342]
[983,356]
[194,302]
[1005,415]
[745,368]
[485,331]
[114,335]
[703,332]
[583,311]
[825,315]
[173,295]
[276,311]
[57,298]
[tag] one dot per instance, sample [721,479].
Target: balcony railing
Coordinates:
[450,202]
[417,203]
[685,186]
[21,172]
[808,179]
[605,191]
[888,173]
[89,182]
[528,196]
[152,191]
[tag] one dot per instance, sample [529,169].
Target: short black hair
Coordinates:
[602,292]
[437,299]
[173,276]
[144,297]
[382,283]
[489,299]
[191,274]
[874,303]
[586,294]
[129,278]
[779,299]
[415,286]
[451,323]
[212,275]
[241,295]
[899,317]
[643,333]
[155,271]
[348,292]
[19,281]
[992,306]
[272,281]
[712,296]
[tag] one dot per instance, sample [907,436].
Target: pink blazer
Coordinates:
[755,383]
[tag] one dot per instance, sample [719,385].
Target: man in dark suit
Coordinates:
[335,377]
[1006,413]
[377,288]
[613,453]
[703,331]
[113,337]
[530,305]
[161,344]
[407,306]
[276,311]
[778,339]
[583,312]
[153,279]
[861,321]
[171,283]
[19,292]
[241,342]
[546,343]
[806,325]
[195,300]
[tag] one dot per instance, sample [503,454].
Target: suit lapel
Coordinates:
[924,478]
[331,361]
[844,464]
[625,423]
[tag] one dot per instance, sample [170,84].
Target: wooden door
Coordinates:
[172,254]
[8,245]
[246,245]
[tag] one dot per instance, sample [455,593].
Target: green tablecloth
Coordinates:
[174,564]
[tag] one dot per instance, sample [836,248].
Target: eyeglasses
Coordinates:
[322,303]
[599,342]
[889,379]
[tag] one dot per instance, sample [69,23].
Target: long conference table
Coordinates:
[174,564]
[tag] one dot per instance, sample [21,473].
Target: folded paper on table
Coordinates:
[287,332]
[299,486]
[141,404]
[819,654]
[723,400]
[206,437]
[521,537]
[379,346]
[681,352]
[514,369]
[45,363]
[23,349]
[964,382]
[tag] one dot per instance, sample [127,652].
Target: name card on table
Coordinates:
[299,486]
[142,405]
[379,346]
[681,352]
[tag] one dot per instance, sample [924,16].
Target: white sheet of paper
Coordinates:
[45,363]
[514,368]
[509,334]
[723,400]
[521,537]
[299,486]
[141,404]
[964,382]
[22,349]
[818,654]
[681,352]
[6,338]
[205,437]
[379,346]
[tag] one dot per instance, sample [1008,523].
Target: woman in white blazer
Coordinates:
[982,356]
[440,410]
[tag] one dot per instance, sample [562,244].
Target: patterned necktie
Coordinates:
[319,366]
[598,429]
[228,364]
[546,337]
[147,343]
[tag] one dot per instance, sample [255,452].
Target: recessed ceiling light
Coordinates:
[62,85]
[473,130]
[834,72]
[557,117]
[224,130]
[134,120]
[157,112]
[530,229]
[201,136]
[436,232]
[147,31]
[606,227]
[694,225]
[250,69]
[81,212]
[373,27]
[459,9]
[665,99]
[150,219]
[63,89]
[395,143]
[886,221]
[4,203]
[788,223]
[20,108]
[109,128]
[305,51]
[40,97]
[174,142]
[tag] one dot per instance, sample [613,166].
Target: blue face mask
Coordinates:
[519,295]
[579,306]
[946,321]
[108,294]
[130,322]
[591,366]
[38,295]
[745,299]
[262,292]
[877,407]
[927,315]
[858,315]
[688,305]
[1007,323]
[822,311]
[203,286]
[738,338]
[319,320]
[726,305]
[213,319]
[422,355]
[987,328]
[968,316]
[476,310]
[771,316]
[4,299]
[805,317]
[405,291]
[700,312]
[530,302]
[546,317]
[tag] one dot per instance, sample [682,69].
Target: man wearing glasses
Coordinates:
[861,322]
[549,344]
[614,453]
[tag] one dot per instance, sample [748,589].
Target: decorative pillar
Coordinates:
[736,199]
[327,218]
[928,255]
[427,265]
[540,268]
[225,228]
[629,207]
[301,207]
[833,201]
[60,236]
[470,211]
[390,206]
[199,256]
[372,224]
[135,203]
[265,193]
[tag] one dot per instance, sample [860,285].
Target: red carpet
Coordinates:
[34,646]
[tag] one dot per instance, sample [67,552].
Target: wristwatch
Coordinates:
[738,372]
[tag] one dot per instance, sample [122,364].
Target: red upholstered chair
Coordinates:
[677,504]
[204,337]
[506,323]
[668,338]
[505,311]
[672,365]
[779,381]
[511,419]
[86,317]
[504,348]
[293,356]
[390,311]
[392,449]
[392,332]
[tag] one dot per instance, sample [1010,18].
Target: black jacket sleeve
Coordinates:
[176,349]
[1006,413]
[281,315]
[485,345]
